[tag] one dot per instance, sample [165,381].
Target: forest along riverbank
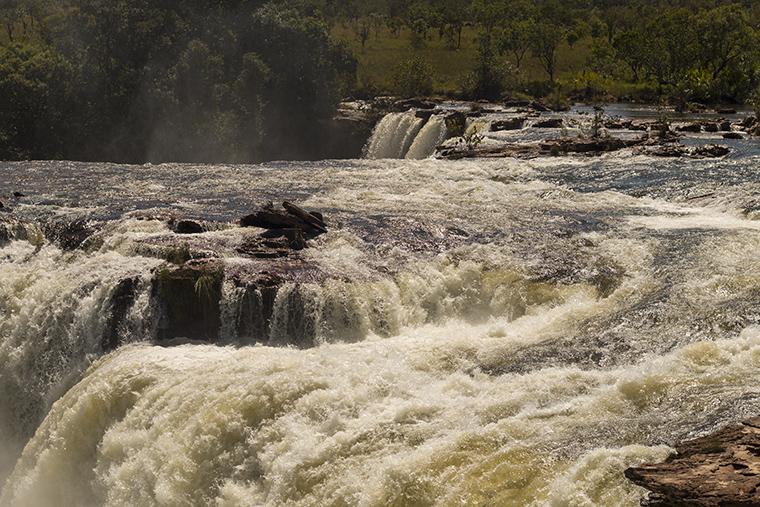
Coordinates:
[496,330]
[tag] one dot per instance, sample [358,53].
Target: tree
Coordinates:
[515,39]
[724,35]
[545,39]
[413,77]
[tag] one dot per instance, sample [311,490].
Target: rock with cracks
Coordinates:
[720,469]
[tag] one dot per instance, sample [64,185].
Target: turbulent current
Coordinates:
[483,332]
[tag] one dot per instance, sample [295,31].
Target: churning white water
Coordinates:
[476,332]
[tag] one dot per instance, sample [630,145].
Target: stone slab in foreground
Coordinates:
[721,469]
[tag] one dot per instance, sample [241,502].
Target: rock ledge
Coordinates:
[721,469]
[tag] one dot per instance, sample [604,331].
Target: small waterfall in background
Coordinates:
[393,135]
[404,135]
[431,135]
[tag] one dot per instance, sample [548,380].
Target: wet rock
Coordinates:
[2,205]
[619,124]
[68,234]
[18,194]
[711,151]
[295,237]
[638,125]
[710,126]
[673,150]
[690,127]
[551,123]
[508,124]
[292,217]
[554,147]
[121,300]
[725,110]
[188,227]
[719,469]
[414,103]
[748,122]
[725,126]
[423,114]
[585,145]
[456,123]
[272,247]
[188,297]
[732,135]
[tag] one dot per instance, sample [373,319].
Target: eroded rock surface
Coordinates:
[720,469]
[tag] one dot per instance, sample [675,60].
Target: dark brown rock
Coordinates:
[710,126]
[722,469]
[691,127]
[189,298]
[554,147]
[550,123]
[414,103]
[188,227]
[508,124]
[618,125]
[68,234]
[121,300]
[711,151]
[292,217]
[295,238]
[732,135]
[748,122]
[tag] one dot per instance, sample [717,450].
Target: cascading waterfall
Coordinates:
[430,137]
[404,135]
[393,135]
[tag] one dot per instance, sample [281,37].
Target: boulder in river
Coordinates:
[732,135]
[508,124]
[413,103]
[710,151]
[291,217]
[690,127]
[550,123]
[718,469]
[188,227]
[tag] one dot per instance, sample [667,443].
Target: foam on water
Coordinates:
[381,423]
[492,332]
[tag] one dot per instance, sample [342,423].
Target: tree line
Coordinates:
[688,50]
[248,80]
[157,80]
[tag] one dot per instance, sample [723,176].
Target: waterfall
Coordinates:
[403,135]
[393,135]
[431,135]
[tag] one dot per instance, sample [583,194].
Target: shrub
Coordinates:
[413,77]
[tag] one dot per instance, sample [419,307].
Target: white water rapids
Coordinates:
[484,333]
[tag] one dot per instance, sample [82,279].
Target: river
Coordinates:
[480,332]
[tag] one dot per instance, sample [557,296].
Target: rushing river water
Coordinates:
[486,332]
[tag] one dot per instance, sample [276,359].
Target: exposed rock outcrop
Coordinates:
[722,469]
[552,147]
[508,124]
[550,123]
[292,217]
